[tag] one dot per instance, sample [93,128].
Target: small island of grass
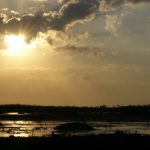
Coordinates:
[73,127]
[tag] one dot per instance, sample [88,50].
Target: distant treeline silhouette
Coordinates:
[101,113]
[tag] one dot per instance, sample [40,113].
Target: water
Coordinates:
[46,128]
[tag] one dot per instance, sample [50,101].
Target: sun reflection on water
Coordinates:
[21,135]
[11,113]
[46,128]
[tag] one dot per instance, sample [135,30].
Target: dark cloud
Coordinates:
[72,48]
[28,24]
[66,15]
[69,13]
[74,11]
[93,52]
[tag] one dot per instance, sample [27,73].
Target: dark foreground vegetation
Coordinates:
[102,113]
[117,141]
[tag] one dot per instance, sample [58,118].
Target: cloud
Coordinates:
[110,5]
[73,12]
[137,1]
[67,14]
[112,24]
[28,24]
[70,13]
[88,52]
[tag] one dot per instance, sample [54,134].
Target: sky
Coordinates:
[75,52]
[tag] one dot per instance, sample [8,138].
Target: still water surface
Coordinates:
[46,128]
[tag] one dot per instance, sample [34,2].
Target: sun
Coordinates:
[16,45]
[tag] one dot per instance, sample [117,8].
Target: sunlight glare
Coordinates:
[16,45]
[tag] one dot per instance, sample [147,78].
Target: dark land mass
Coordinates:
[102,113]
[116,141]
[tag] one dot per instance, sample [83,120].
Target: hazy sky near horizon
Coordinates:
[76,52]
